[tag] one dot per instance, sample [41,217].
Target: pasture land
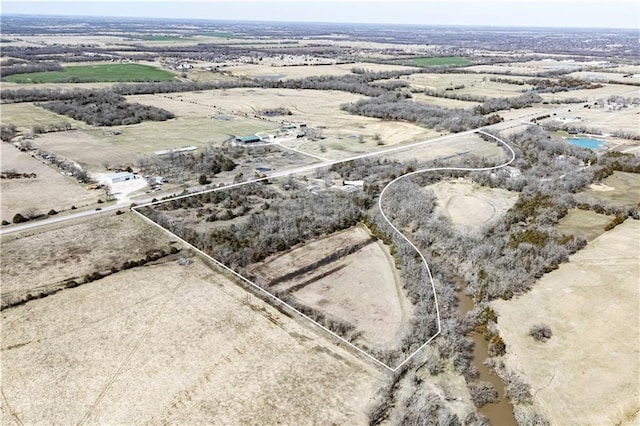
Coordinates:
[472,207]
[238,112]
[600,93]
[439,61]
[632,76]
[583,223]
[25,115]
[592,306]
[173,344]
[282,70]
[96,73]
[620,189]
[531,68]
[48,190]
[73,251]
[470,146]
[443,102]
[474,84]
[361,288]
[604,120]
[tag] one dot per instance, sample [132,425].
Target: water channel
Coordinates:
[499,413]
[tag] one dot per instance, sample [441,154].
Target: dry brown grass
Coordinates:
[583,223]
[173,344]
[36,261]
[49,190]
[587,373]
[361,288]
[471,207]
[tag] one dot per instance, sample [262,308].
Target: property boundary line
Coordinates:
[312,167]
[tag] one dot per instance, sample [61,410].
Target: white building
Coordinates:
[119,177]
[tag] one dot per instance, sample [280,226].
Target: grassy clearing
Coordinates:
[26,115]
[591,306]
[620,188]
[470,207]
[583,223]
[95,73]
[439,61]
[467,84]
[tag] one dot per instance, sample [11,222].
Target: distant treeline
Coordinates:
[14,67]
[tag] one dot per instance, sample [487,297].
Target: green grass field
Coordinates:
[95,73]
[446,60]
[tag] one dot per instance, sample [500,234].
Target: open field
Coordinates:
[533,67]
[474,84]
[176,344]
[235,110]
[441,60]
[26,115]
[632,76]
[443,102]
[620,189]
[281,71]
[604,120]
[600,93]
[583,223]
[360,288]
[458,146]
[48,190]
[97,73]
[72,251]
[587,372]
[471,207]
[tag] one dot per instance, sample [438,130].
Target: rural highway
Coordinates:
[9,229]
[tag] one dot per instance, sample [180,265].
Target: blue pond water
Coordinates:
[586,142]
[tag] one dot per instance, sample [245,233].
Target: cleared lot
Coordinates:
[303,71]
[172,344]
[474,84]
[587,373]
[583,223]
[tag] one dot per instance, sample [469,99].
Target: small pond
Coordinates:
[587,143]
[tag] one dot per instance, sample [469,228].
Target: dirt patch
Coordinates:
[177,344]
[360,287]
[48,190]
[588,371]
[583,223]
[470,206]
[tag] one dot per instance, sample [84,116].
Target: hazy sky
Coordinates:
[541,13]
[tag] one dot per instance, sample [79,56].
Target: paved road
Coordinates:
[8,229]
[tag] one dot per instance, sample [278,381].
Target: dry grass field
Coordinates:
[48,190]
[601,93]
[620,189]
[26,115]
[361,288]
[457,146]
[34,261]
[303,71]
[617,77]
[237,111]
[587,372]
[173,344]
[607,121]
[583,223]
[474,84]
[443,102]
[471,207]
